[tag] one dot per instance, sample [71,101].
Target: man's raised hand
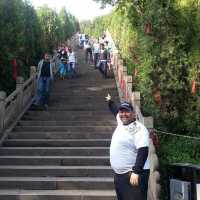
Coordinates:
[108,97]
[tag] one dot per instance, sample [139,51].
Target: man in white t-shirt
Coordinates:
[96,51]
[71,63]
[129,153]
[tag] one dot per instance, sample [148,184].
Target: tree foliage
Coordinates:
[26,33]
[160,40]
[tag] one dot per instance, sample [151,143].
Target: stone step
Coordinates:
[80,100]
[55,151]
[57,142]
[85,82]
[82,96]
[55,171]
[57,195]
[91,93]
[55,160]
[56,100]
[88,84]
[60,135]
[58,106]
[66,128]
[89,89]
[66,123]
[57,183]
[78,113]
[77,117]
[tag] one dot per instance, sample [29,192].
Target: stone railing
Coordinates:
[124,84]
[13,106]
[15,103]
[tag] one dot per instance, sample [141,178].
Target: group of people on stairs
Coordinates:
[97,52]
[68,61]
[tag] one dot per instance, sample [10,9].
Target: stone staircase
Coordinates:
[63,153]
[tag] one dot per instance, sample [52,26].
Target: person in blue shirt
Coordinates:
[62,68]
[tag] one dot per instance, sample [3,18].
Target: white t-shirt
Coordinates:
[87,45]
[126,141]
[71,57]
[96,47]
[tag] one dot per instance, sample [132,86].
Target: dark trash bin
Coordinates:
[184,181]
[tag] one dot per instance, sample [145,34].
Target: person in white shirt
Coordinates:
[71,63]
[129,153]
[103,61]
[96,51]
[88,51]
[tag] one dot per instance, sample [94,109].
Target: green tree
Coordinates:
[48,20]
[25,34]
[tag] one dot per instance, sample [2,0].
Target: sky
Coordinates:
[81,9]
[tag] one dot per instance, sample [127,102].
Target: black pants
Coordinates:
[88,55]
[125,191]
[103,68]
[96,57]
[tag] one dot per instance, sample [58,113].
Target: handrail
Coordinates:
[17,101]
[11,97]
[124,84]
[12,106]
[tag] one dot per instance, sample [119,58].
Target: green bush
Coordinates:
[160,40]
[26,33]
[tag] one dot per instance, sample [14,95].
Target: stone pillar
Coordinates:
[148,122]
[125,70]
[129,87]
[19,82]
[129,79]
[32,70]
[2,109]
[33,73]
[116,60]
[154,187]
[19,85]
[136,98]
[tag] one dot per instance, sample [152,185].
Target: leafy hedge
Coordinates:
[159,41]
[26,33]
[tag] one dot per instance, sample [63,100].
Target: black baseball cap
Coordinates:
[126,106]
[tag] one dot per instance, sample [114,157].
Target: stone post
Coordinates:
[19,85]
[19,82]
[32,70]
[129,86]
[136,98]
[148,122]
[125,70]
[2,109]
[115,54]
[154,187]
[33,73]
[129,79]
